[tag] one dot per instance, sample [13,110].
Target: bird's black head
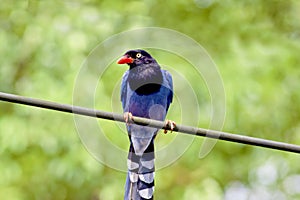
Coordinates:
[145,76]
[136,57]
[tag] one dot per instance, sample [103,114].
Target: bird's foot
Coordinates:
[128,117]
[169,124]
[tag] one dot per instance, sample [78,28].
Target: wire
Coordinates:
[149,122]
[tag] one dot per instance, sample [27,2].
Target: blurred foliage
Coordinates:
[255,44]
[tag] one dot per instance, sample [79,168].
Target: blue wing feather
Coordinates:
[169,81]
[124,89]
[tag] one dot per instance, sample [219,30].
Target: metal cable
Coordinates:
[153,123]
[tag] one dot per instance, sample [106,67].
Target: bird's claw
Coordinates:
[128,117]
[169,124]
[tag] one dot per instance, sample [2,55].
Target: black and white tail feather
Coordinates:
[140,163]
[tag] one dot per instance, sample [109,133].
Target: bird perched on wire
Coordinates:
[146,91]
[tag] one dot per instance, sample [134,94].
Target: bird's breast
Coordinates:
[151,106]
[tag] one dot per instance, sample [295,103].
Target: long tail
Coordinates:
[140,177]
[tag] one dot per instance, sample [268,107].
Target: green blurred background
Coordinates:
[255,44]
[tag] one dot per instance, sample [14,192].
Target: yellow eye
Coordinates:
[138,55]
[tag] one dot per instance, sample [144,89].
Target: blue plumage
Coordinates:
[146,91]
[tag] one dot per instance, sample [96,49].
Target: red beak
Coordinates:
[125,60]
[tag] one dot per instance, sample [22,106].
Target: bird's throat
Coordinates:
[145,80]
